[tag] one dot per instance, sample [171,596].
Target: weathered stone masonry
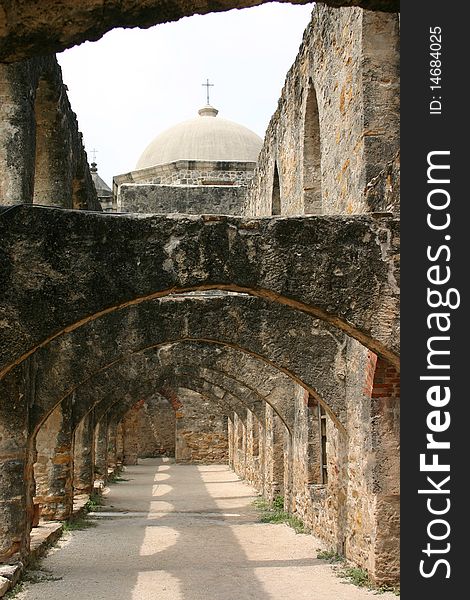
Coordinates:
[336,127]
[268,343]
[42,159]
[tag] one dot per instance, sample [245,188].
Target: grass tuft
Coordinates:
[330,555]
[13,593]
[93,502]
[78,524]
[275,513]
[354,575]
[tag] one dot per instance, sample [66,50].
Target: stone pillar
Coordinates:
[385,482]
[84,459]
[278,456]
[119,444]
[252,450]
[15,469]
[101,448]
[239,446]
[17,135]
[53,469]
[112,445]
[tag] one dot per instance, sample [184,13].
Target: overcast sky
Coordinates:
[135,83]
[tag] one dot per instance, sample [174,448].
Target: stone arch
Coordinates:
[134,259]
[253,375]
[251,325]
[140,367]
[54,440]
[26,35]
[276,192]
[142,373]
[206,401]
[312,176]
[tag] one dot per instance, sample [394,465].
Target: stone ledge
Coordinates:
[9,576]
[42,538]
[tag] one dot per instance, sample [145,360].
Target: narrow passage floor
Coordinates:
[186,532]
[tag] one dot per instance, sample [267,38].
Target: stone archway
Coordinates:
[343,270]
[33,29]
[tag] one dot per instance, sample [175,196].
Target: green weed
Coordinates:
[13,593]
[93,502]
[354,575]
[275,513]
[357,576]
[330,555]
[77,524]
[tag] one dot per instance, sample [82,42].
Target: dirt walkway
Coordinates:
[185,532]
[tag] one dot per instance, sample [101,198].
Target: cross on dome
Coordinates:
[207,85]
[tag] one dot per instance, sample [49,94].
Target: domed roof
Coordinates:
[206,137]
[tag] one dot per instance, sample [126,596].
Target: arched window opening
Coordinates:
[323,456]
[255,434]
[317,464]
[312,156]
[276,195]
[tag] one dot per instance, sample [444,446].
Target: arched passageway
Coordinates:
[306,263]
[292,373]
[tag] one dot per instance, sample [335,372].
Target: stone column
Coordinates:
[15,469]
[101,448]
[119,444]
[17,135]
[84,459]
[54,467]
[385,479]
[278,456]
[252,450]
[239,446]
[112,445]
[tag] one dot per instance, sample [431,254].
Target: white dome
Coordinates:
[203,138]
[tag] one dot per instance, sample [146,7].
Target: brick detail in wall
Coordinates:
[386,381]
[370,373]
[170,395]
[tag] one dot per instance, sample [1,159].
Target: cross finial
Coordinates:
[94,152]
[208,85]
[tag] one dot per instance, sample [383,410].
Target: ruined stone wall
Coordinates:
[190,172]
[266,463]
[201,430]
[353,513]
[42,158]
[131,434]
[148,430]
[145,198]
[341,96]
[159,416]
